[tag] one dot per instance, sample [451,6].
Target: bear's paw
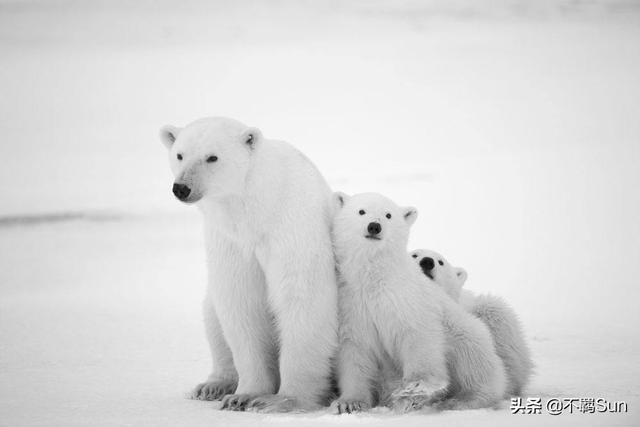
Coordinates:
[213,390]
[348,406]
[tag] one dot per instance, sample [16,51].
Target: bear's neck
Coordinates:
[374,268]
[225,213]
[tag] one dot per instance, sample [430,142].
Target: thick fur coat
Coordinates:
[270,309]
[398,329]
[502,320]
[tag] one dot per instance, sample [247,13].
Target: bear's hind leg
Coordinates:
[477,373]
[509,339]
[424,369]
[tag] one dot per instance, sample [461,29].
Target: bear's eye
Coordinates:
[440,262]
[415,255]
[179,156]
[361,212]
[212,159]
[388,216]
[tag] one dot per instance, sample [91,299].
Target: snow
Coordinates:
[511,125]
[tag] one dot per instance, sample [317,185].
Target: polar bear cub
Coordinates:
[501,319]
[398,326]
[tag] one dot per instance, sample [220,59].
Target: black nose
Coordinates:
[374,228]
[181,191]
[427,264]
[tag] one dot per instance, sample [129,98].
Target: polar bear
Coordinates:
[270,308]
[392,323]
[501,319]
[451,279]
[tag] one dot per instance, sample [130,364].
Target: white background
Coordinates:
[513,127]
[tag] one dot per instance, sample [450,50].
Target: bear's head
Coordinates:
[369,223]
[209,157]
[451,279]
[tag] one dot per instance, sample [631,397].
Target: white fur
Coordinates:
[270,309]
[501,319]
[398,329]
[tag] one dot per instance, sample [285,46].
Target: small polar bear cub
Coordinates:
[451,279]
[422,344]
[501,319]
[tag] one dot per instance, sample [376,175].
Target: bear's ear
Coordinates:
[339,199]
[410,214]
[251,137]
[168,135]
[461,274]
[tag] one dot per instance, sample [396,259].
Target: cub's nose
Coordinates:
[374,228]
[181,191]
[427,264]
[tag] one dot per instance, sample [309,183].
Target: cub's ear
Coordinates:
[251,137]
[339,199]
[410,214]
[461,273]
[168,135]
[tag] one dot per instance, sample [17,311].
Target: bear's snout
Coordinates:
[374,228]
[427,265]
[181,191]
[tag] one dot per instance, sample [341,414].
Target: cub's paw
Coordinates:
[449,404]
[236,402]
[276,403]
[409,404]
[213,390]
[348,406]
[419,388]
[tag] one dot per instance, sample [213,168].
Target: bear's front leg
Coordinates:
[357,362]
[239,294]
[303,292]
[223,379]
[356,372]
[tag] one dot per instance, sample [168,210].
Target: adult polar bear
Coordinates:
[272,295]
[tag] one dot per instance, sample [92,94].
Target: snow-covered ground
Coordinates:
[513,126]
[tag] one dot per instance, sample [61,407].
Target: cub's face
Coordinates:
[368,223]
[209,158]
[438,269]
